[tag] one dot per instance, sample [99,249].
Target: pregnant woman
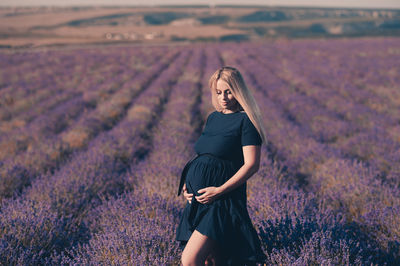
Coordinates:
[215,225]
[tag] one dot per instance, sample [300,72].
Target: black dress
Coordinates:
[226,219]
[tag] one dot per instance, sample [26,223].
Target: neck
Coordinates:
[225,111]
[228,111]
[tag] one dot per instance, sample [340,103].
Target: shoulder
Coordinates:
[214,113]
[244,117]
[250,134]
[246,122]
[210,116]
[240,120]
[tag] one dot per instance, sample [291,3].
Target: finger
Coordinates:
[200,198]
[203,196]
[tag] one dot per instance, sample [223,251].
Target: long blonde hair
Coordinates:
[241,93]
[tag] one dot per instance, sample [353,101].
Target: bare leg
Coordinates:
[197,249]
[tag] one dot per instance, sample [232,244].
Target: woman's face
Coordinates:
[225,97]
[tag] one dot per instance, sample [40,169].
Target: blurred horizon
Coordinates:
[34,26]
[385,4]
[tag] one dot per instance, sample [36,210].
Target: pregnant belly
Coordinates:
[208,171]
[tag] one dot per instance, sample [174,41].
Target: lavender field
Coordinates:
[92,142]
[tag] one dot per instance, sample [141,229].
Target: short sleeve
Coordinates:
[250,135]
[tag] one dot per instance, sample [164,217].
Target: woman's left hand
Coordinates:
[210,194]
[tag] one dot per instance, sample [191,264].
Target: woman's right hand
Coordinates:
[187,195]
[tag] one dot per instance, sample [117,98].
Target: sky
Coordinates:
[389,4]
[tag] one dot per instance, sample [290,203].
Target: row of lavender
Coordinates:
[171,139]
[348,125]
[50,139]
[351,189]
[138,228]
[30,77]
[311,202]
[375,114]
[45,79]
[89,84]
[368,200]
[49,215]
[296,226]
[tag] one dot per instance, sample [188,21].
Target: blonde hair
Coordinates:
[241,93]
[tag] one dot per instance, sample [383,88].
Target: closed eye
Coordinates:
[227,91]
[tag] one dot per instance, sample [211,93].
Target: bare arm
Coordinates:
[251,155]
